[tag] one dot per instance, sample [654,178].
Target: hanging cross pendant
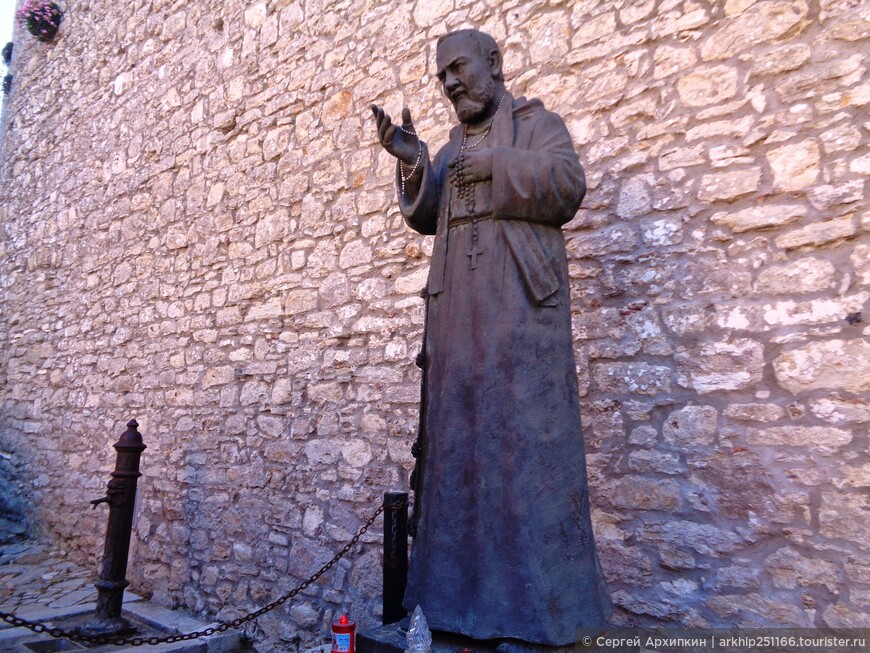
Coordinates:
[473,253]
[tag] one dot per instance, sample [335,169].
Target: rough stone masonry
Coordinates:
[198,231]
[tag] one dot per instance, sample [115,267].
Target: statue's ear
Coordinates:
[495,63]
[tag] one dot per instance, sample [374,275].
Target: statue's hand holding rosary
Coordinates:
[401,141]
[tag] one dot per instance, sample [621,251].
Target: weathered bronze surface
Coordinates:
[395,555]
[504,545]
[121,497]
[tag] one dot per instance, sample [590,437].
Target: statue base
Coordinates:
[107,627]
[391,639]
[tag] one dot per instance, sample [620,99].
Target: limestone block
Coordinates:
[623,564]
[817,311]
[861,165]
[549,34]
[634,199]
[674,22]
[632,378]
[300,301]
[669,60]
[778,58]
[851,27]
[754,610]
[683,320]
[413,283]
[760,217]
[655,461]
[632,602]
[861,261]
[282,391]
[754,412]
[764,21]
[789,569]
[739,576]
[644,436]
[723,365]
[358,252]
[304,615]
[306,555]
[255,15]
[682,157]
[707,85]
[729,185]
[824,439]
[826,196]
[173,26]
[609,240]
[636,11]
[323,451]
[215,195]
[593,29]
[818,233]
[266,310]
[274,427]
[844,516]
[801,276]
[843,138]
[217,376]
[661,233]
[828,364]
[691,426]
[840,616]
[705,539]
[291,17]
[357,452]
[254,392]
[736,483]
[852,476]
[795,166]
[841,411]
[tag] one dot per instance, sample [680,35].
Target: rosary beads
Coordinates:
[402,175]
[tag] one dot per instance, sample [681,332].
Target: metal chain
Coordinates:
[74,636]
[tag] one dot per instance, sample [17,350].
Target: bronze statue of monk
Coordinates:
[504,546]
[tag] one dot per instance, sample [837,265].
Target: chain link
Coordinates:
[75,636]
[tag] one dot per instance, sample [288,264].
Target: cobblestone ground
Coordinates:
[35,575]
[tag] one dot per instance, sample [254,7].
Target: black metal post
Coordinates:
[395,555]
[121,497]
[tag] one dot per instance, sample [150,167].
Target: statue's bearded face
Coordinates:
[465,77]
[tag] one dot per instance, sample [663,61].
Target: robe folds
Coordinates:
[504,545]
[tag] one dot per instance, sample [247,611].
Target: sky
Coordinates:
[7,13]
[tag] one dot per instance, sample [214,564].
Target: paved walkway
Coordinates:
[39,584]
[34,577]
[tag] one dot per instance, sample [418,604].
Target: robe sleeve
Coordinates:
[544,183]
[421,212]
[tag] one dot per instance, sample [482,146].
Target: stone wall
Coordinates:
[199,231]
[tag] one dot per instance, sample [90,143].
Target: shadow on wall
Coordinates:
[13,525]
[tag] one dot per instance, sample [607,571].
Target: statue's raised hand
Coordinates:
[400,141]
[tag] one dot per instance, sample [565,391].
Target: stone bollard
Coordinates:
[395,555]
[121,497]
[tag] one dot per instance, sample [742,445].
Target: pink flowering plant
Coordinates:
[40,17]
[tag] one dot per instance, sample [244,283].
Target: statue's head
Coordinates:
[470,70]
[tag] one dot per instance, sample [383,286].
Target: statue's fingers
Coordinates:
[379,118]
[389,133]
[383,126]
[406,118]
